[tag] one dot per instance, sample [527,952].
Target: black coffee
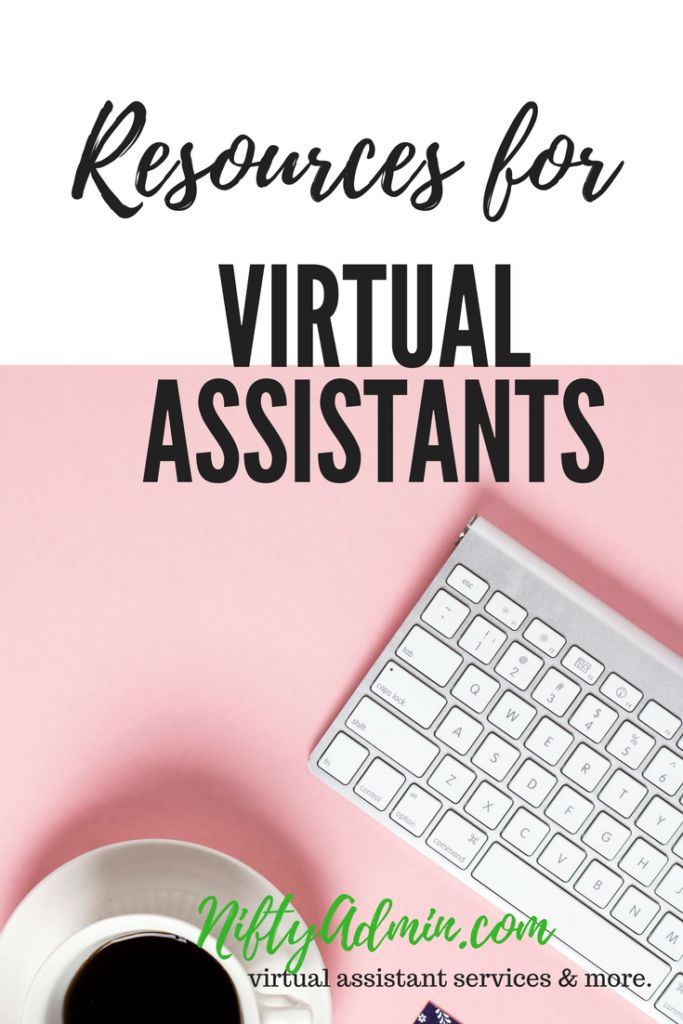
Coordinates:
[151,979]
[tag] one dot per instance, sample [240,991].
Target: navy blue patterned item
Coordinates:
[433,1015]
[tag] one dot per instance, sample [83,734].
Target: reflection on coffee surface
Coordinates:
[145,978]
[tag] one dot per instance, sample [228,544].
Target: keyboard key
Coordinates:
[525,832]
[488,805]
[546,639]
[659,719]
[622,693]
[549,741]
[668,936]
[642,862]
[592,718]
[452,779]
[582,929]
[406,693]
[506,611]
[555,692]
[429,656]
[445,613]
[622,793]
[482,640]
[630,745]
[606,836]
[467,584]
[519,666]
[598,884]
[343,758]
[583,665]
[561,858]
[670,1003]
[569,809]
[659,820]
[456,839]
[379,784]
[459,730]
[586,767]
[415,810]
[532,783]
[671,887]
[512,715]
[393,737]
[495,757]
[635,910]
[475,688]
[666,771]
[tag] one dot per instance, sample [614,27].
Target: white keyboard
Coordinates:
[527,738]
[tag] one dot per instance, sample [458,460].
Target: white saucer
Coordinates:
[154,876]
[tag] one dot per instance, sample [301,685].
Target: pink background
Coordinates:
[170,653]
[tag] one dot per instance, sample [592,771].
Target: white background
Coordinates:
[591,283]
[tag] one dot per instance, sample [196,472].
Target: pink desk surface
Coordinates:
[170,653]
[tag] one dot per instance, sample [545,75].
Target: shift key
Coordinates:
[429,656]
[392,736]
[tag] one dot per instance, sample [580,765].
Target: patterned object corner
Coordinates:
[434,1015]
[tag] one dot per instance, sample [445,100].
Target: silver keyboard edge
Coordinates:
[481,529]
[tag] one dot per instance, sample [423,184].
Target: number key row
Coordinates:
[483,641]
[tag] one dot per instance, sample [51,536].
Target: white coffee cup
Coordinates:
[45,998]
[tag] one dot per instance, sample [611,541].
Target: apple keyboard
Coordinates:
[528,739]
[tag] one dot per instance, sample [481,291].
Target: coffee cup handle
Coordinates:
[282,1010]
